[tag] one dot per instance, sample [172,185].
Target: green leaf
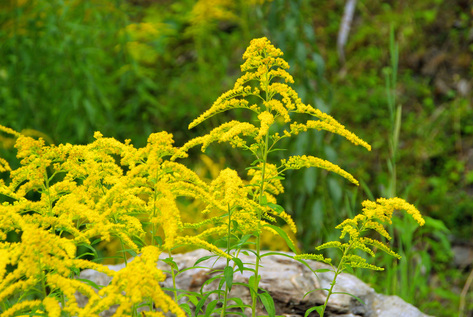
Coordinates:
[277,253]
[239,263]
[92,249]
[319,309]
[268,303]
[211,307]
[171,263]
[283,235]
[89,282]
[190,298]
[185,307]
[204,258]
[256,162]
[264,200]
[158,240]
[228,273]
[277,208]
[239,304]
[220,284]
[200,304]
[317,289]
[253,284]
[242,241]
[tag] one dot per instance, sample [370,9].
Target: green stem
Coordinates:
[43,284]
[338,271]
[330,291]
[173,279]
[258,240]
[153,229]
[225,294]
[123,252]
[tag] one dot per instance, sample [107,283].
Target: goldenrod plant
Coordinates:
[67,197]
[373,218]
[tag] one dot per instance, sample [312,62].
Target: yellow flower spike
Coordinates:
[138,281]
[224,133]
[353,260]
[266,119]
[378,228]
[9,131]
[52,307]
[225,102]
[13,311]
[361,245]
[215,231]
[315,257]
[273,183]
[227,187]
[4,166]
[379,245]
[298,162]
[261,51]
[383,209]
[331,244]
[202,243]
[278,107]
[9,288]
[352,231]
[331,127]
[288,219]
[388,205]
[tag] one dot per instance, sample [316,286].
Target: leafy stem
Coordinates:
[227,290]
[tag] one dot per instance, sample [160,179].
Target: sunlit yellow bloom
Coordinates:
[273,183]
[331,127]
[379,245]
[278,107]
[316,257]
[52,307]
[13,311]
[288,219]
[4,166]
[9,131]
[226,132]
[383,209]
[353,260]
[266,119]
[330,244]
[225,102]
[298,162]
[202,243]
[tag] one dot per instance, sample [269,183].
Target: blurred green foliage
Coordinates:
[129,68]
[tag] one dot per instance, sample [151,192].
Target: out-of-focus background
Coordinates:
[132,67]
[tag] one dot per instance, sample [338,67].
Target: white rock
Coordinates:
[287,281]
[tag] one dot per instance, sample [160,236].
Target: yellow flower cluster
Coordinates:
[383,209]
[264,65]
[266,119]
[65,196]
[373,216]
[298,162]
[265,79]
[273,185]
[339,129]
[133,285]
[227,132]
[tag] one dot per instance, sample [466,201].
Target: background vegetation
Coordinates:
[132,67]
